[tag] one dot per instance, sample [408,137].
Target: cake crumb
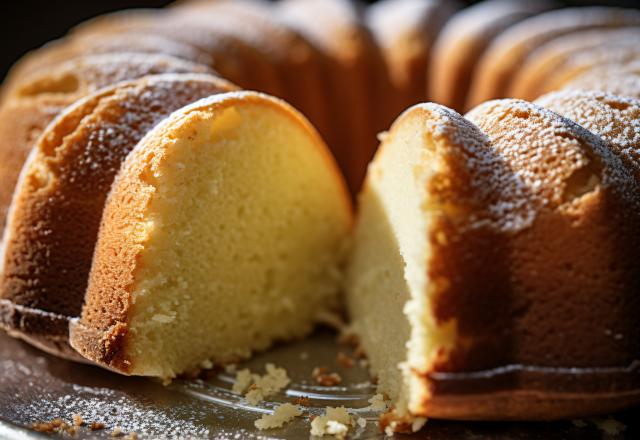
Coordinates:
[335,421]
[391,422]
[325,379]
[77,419]
[254,396]
[610,426]
[230,368]
[388,431]
[348,338]
[131,436]
[242,382]
[117,432]
[283,414]
[361,422]
[344,360]
[378,403]
[258,387]
[418,423]
[206,364]
[56,425]
[359,352]
[96,426]
[43,426]
[302,401]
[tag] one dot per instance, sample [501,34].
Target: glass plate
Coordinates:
[37,387]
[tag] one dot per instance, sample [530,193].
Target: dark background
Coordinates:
[27,24]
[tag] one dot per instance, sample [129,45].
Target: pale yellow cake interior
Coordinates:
[244,237]
[387,285]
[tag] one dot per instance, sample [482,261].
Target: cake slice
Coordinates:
[31,102]
[55,212]
[223,233]
[478,244]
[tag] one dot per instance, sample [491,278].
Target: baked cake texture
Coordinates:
[406,31]
[55,213]
[268,210]
[464,39]
[567,54]
[506,55]
[615,119]
[621,80]
[353,72]
[468,231]
[164,223]
[32,102]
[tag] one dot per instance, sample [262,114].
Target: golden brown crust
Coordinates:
[615,119]
[618,56]
[620,80]
[101,333]
[59,51]
[55,214]
[532,79]
[232,56]
[406,30]
[355,79]
[527,325]
[524,201]
[297,62]
[509,51]
[463,40]
[33,102]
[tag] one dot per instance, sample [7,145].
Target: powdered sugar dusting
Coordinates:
[615,119]
[579,61]
[622,80]
[122,116]
[501,197]
[97,71]
[510,49]
[81,152]
[110,406]
[543,150]
[534,30]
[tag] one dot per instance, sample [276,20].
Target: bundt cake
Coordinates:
[621,80]
[464,39]
[167,219]
[500,63]
[615,119]
[559,54]
[406,30]
[296,61]
[56,52]
[616,54]
[457,287]
[232,56]
[35,100]
[267,210]
[353,71]
[55,213]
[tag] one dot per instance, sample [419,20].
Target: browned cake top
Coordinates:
[66,180]
[83,75]
[548,152]
[615,119]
